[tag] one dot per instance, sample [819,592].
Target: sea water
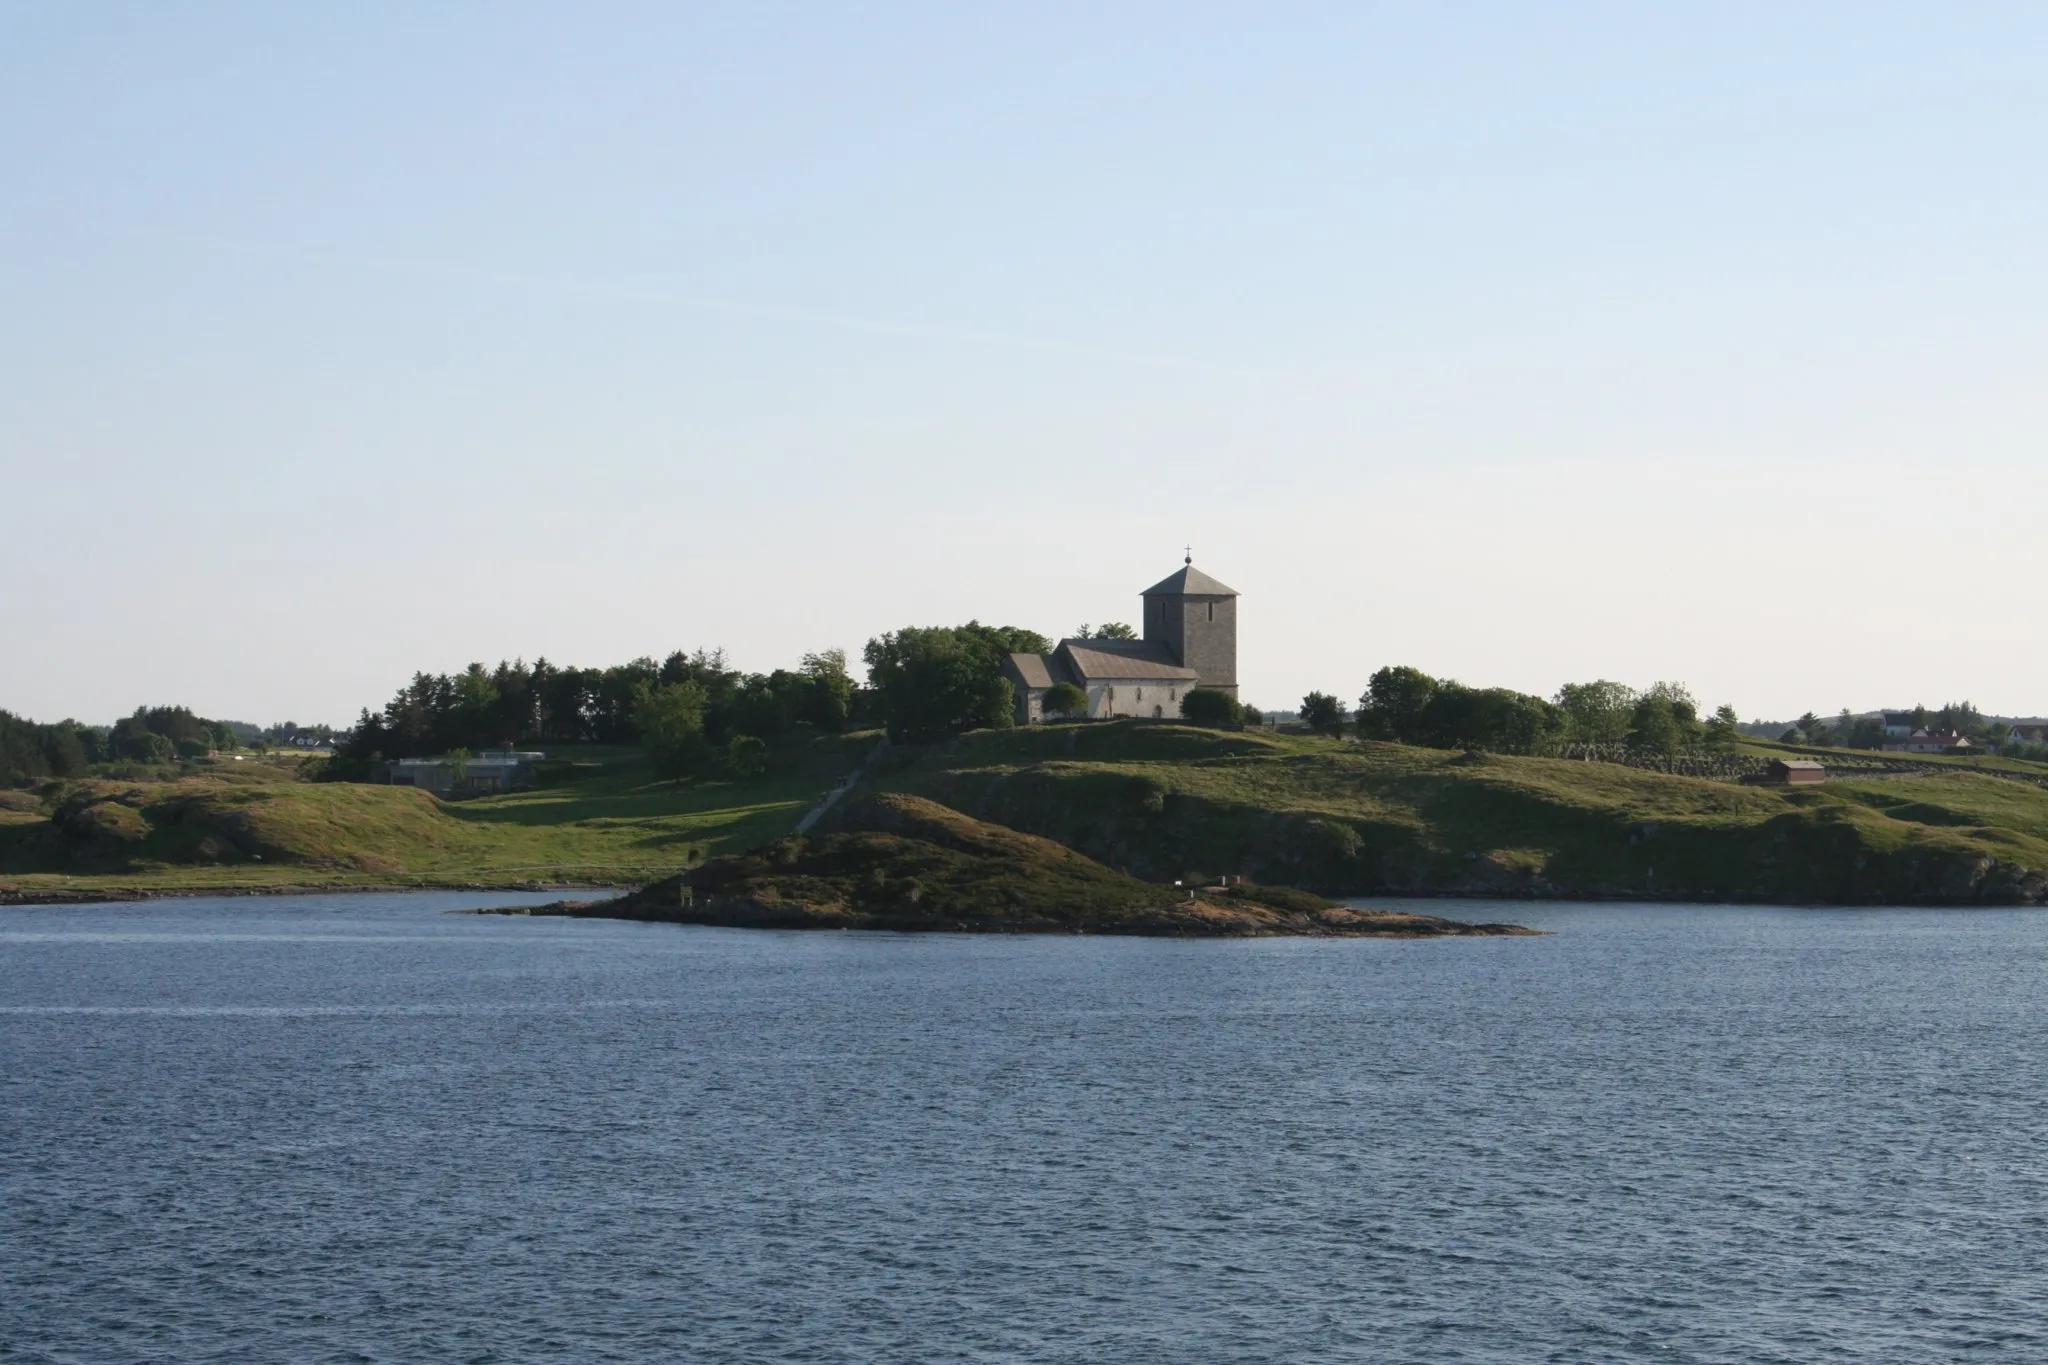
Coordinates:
[360,1128]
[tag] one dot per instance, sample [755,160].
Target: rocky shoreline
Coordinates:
[902,864]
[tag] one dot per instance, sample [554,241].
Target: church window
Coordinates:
[1141,694]
[1212,611]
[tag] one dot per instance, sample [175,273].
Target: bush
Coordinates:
[1323,714]
[1064,699]
[1208,706]
[746,755]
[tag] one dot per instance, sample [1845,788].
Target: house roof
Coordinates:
[1033,670]
[1139,659]
[1800,764]
[1188,581]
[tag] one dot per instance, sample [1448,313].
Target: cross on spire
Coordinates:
[1190,555]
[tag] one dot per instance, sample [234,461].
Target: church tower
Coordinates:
[1194,618]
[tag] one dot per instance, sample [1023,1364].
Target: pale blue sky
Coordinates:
[1520,343]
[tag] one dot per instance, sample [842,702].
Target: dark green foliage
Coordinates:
[1394,703]
[1323,714]
[29,751]
[1211,707]
[1961,716]
[1495,719]
[1108,630]
[1064,699]
[1410,707]
[746,755]
[154,733]
[670,719]
[1665,720]
[519,704]
[1595,712]
[936,681]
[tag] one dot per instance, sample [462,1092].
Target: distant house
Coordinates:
[2030,732]
[1791,772]
[1929,742]
[1899,724]
[494,770]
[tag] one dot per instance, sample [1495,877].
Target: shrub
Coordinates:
[746,755]
[1208,706]
[1064,699]
[1323,714]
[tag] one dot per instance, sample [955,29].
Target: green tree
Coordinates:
[1108,630]
[1212,707]
[1323,714]
[936,681]
[1723,730]
[476,706]
[1496,719]
[1664,720]
[1962,717]
[746,755]
[670,721]
[1064,699]
[829,705]
[1596,712]
[457,760]
[1393,705]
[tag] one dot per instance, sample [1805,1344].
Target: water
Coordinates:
[356,1128]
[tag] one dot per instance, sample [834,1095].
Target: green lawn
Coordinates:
[1157,801]
[606,819]
[1341,817]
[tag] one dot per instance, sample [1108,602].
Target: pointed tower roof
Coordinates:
[1188,581]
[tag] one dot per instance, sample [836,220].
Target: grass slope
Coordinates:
[1166,801]
[903,863]
[603,819]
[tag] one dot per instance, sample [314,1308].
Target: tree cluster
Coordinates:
[154,734]
[1408,706]
[29,752]
[931,682]
[541,703]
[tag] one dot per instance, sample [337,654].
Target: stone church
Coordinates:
[1190,640]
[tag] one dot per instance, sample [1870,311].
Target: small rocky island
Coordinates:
[903,863]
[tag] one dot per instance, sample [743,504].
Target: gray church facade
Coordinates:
[1189,640]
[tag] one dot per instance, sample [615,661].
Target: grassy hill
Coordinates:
[1364,818]
[601,818]
[1155,802]
[900,862]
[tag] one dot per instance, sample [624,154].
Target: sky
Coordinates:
[1521,344]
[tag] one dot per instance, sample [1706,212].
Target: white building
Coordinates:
[1190,641]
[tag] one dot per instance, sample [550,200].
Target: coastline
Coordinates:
[11,897]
